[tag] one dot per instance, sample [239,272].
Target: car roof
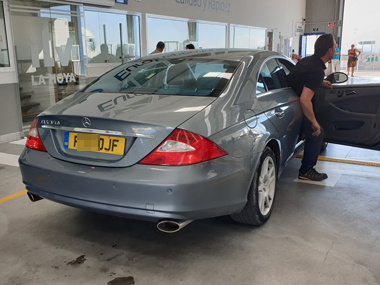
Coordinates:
[232,54]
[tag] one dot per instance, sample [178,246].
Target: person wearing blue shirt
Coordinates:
[335,64]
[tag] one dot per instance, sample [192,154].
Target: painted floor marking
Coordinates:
[10,197]
[343,160]
[9,159]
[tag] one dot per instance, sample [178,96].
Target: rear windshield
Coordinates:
[189,76]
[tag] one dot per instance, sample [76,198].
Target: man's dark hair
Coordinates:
[323,44]
[160,45]
[190,46]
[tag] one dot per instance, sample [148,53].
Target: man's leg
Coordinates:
[329,67]
[336,67]
[311,151]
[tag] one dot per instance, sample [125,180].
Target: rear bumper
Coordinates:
[215,188]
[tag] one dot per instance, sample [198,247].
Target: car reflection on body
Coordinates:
[170,138]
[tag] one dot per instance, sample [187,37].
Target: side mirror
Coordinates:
[337,77]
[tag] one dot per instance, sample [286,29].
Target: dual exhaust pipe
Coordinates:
[168,226]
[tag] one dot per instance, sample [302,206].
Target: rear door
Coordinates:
[281,104]
[350,114]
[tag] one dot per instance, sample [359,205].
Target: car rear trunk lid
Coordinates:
[113,130]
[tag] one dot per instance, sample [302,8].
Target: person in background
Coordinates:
[159,48]
[335,63]
[190,46]
[104,56]
[304,79]
[353,54]
[295,57]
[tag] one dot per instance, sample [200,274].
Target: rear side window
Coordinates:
[272,75]
[286,65]
[182,76]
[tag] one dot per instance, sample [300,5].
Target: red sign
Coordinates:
[331,25]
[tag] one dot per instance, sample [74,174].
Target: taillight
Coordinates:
[183,148]
[34,141]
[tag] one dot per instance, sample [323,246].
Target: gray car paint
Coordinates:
[151,115]
[236,121]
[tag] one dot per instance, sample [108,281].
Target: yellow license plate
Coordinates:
[96,143]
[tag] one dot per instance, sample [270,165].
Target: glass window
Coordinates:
[272,75]
[285,65]
[174,33]
[180,76]
[4,55]
[247,37]
[212,35]
[260,87]
[48,39]
[103,37]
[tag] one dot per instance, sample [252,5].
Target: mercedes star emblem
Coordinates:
[86,122]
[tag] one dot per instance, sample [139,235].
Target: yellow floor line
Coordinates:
[10,197]
[342,160]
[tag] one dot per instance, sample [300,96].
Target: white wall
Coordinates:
[277,15]
[320,12]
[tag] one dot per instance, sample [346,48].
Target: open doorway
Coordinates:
[361,29]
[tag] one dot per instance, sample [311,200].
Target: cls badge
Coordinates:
[86,122]
[50,122]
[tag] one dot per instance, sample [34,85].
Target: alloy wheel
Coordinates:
[267,185]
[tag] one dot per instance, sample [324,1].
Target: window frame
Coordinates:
[232,28]
[277,60]
[113,11]
[186,20]
[8,74]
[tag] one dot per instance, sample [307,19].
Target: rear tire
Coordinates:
[324,146]
[261,193]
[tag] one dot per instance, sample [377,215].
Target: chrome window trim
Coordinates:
[97,131]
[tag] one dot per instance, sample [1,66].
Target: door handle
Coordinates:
[279,113]
[350,93]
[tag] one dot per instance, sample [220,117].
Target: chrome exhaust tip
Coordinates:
[172,226]
[33,197]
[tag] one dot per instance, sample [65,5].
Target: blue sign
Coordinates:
[121,1]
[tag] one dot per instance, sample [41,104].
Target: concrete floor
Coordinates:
[319,233]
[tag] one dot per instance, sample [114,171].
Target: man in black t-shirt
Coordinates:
[307,76]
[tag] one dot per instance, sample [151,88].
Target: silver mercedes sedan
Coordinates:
[170,138]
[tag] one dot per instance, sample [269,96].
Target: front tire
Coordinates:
[261,193]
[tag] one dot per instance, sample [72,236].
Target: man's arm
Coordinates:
[307,108]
